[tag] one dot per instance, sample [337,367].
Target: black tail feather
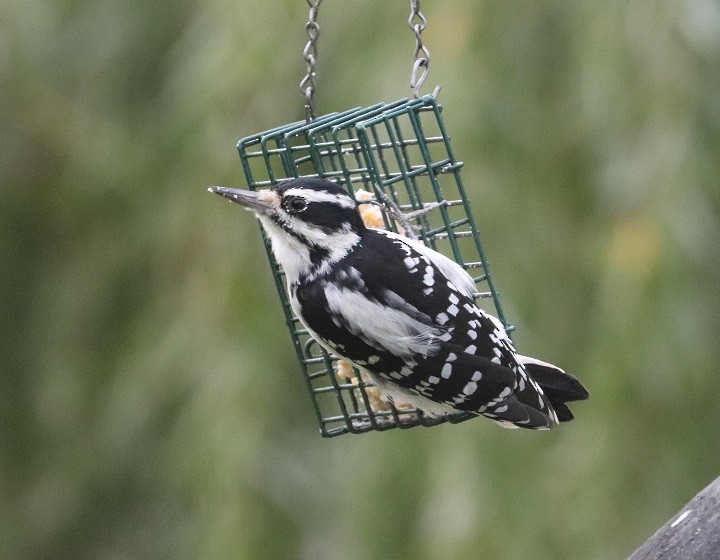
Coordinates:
[562,410]
[558,386]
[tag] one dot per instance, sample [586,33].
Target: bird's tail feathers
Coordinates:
[513,413]
[558,386]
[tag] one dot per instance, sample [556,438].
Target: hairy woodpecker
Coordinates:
[400,311]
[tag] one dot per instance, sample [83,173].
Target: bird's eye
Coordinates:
[295,204]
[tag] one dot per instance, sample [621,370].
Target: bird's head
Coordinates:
[311,223]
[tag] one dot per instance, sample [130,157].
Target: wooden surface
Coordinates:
[692,534]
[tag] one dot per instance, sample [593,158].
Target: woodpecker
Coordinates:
[400,311]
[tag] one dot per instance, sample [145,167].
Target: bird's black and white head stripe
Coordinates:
[305,206]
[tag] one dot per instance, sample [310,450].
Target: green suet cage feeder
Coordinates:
[397,159]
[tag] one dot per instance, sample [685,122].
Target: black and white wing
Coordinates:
[406,314]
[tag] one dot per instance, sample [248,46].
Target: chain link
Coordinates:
[417,23]
[420,69]
[307,85]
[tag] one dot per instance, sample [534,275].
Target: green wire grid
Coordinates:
[398,151]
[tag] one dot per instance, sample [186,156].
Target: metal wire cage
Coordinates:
[397,157]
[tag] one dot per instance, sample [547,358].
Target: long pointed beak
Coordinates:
[249,199]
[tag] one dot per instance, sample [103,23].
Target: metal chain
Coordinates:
[307,85]
[417,23]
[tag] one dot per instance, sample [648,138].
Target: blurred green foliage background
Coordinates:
[150,402]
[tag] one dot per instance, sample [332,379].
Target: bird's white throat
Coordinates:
[294,252]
